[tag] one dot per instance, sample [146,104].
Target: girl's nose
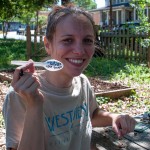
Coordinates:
[79,49]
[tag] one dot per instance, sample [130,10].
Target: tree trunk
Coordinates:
[35,33]
[28,43]
[5,29]
[110,14]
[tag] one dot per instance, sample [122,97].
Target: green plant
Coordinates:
[102,100]
[144,27]
[134,73]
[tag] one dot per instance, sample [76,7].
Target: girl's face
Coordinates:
[72,44]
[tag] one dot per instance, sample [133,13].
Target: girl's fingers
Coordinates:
[21,81]
[124,125]
[117,130]
[32,68]
[16,75]
[33,88]
[26,84]
[26,68]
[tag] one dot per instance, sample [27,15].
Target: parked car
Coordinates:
[21,31]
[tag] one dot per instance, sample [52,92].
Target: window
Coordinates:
[114,2]
[121,1]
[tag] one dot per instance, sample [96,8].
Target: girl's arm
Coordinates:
[121,124]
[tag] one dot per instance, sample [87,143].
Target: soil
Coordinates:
[98,84]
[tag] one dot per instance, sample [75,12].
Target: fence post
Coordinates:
[148,57]
[28,43]
[148,53]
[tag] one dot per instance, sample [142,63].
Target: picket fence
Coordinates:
[123,43]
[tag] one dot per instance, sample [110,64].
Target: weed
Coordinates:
[102,100]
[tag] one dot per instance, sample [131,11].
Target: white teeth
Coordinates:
[76,61]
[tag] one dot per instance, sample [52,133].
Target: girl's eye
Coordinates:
[67,41]
[88,41]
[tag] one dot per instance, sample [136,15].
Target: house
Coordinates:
[121,12]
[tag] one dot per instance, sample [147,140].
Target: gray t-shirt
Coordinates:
[67,115]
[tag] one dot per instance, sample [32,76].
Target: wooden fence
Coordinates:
[124,43]
[36,48]
[113,43]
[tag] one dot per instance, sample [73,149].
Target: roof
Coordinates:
[121,4]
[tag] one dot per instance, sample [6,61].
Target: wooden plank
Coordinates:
[136,50]
[140,52]
[116,93]
[109,47]
[132,49]
[128,42]
[124,45]
[106,138]
[116,47]
[141,139]
[119,50]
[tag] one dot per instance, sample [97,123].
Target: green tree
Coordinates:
[144,27]
[10,9]
[87,4]
[140,5]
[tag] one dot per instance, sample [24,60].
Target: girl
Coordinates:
[57,110]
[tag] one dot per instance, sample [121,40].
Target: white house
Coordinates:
[122,12]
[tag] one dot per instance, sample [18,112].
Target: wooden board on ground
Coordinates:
[117,93]
[106,139]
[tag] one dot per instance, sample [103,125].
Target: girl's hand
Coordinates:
[27,86]
[123,124]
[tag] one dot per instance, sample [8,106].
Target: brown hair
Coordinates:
[58,13]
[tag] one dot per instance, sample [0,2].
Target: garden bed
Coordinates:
[109,89]
[101,88]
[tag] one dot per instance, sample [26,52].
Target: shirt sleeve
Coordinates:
[93,105]
[14,114]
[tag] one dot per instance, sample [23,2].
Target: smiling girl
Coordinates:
[57,110]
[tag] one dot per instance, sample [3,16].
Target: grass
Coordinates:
[119,69]
[11,49]
[104,67]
